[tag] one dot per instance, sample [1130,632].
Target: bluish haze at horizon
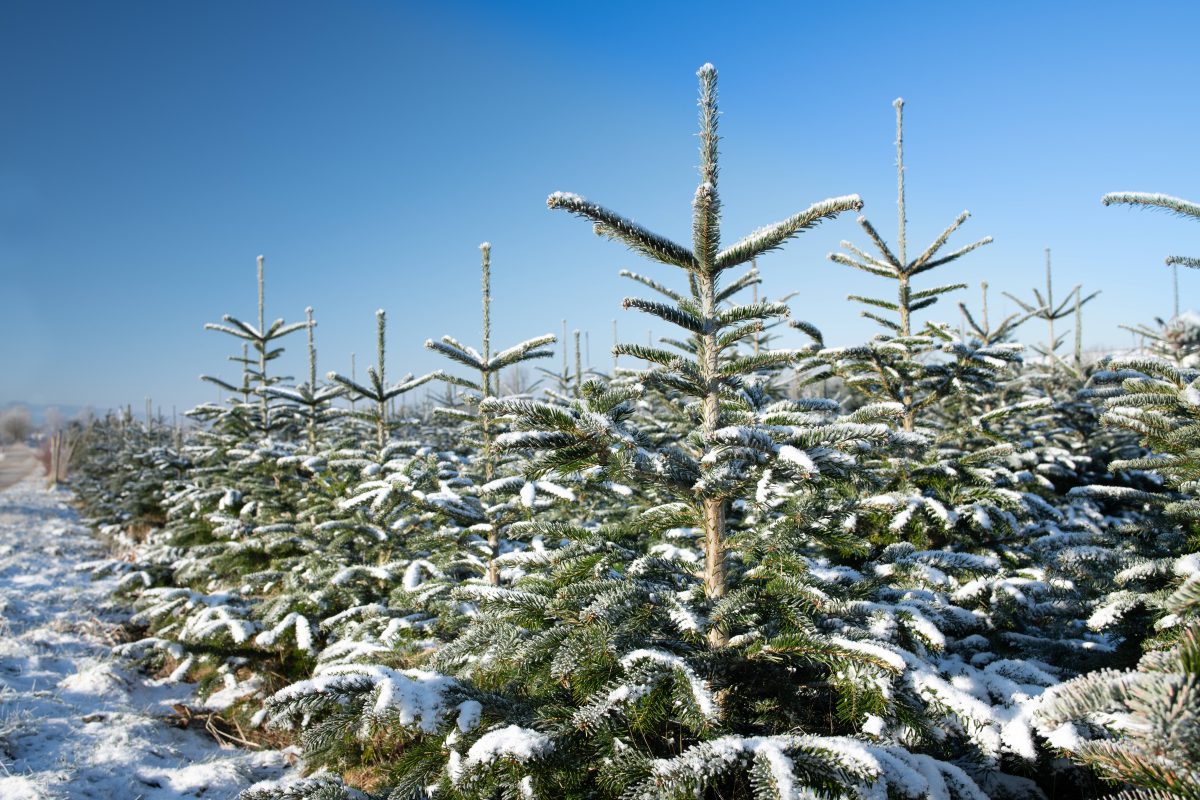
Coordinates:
[151,150]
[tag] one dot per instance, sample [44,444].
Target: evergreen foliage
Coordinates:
[732,568]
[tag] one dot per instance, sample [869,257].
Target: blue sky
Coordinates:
[149,151]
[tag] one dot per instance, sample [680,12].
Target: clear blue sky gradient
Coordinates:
[149,151]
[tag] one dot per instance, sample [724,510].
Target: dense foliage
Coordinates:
[704,576]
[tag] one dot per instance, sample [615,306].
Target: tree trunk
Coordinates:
[713,507]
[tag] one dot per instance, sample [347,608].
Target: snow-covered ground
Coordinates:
[74,723]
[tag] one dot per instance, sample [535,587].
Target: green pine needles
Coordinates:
[745,565]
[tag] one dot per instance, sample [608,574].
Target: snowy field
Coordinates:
[75,723]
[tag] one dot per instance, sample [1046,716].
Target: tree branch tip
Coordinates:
[558,199]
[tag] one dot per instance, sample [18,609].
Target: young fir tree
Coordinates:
[956,507]
[896,367]
[480,427]
[1044,308]
[983,328]
[951,485]
[618,668]
[379,392]
[1140,728]
[313,402]
[264,339]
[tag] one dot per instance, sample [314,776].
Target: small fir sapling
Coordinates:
[983,329]
[263,339]
[1176,340]
[894,368]
[482,422]
[315,402]
[379,392]
[1043,307]
[951,482]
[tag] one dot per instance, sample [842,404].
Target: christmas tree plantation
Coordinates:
[918,566]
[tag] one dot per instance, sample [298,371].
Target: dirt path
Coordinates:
[17,462]
[73,722]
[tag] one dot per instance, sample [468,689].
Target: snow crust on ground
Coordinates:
[74,722]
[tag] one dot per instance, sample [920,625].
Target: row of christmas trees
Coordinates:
[695,578]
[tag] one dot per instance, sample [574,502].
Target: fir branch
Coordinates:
[882,246]
[957,254]
[924,293]
[874,301]
[1175,205]
[672,314]
[653,284]
[655,355]
[938,243]
[456,352]
[841,258]
[773,236]
[750,311]
[751,278]
[812,331]
[409,383]
[525,351]
[887,323]
[634,236]
[767,359]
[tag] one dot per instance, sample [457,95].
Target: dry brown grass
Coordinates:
[230,727]
[365,778]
